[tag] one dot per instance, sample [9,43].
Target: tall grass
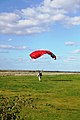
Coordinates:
[56,97]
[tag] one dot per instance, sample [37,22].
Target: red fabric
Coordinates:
[38,53]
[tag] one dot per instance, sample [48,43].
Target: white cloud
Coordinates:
[70,59]
[10,39]
[76,51]
[70,43]
[65,4]
[9,17]
[73,20]
[38,19]
[13,47]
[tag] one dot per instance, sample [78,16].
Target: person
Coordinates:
[39,75]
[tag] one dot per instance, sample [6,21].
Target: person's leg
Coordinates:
[39,78]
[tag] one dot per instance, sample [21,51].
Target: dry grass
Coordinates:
[26,73]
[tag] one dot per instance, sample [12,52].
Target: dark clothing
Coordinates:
[39,75]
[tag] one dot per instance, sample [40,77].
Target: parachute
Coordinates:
[38,53]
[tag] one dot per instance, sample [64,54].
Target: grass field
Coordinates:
[56,97]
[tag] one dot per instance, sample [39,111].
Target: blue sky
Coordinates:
[28,25]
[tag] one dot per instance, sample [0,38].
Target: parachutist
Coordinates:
[39,75]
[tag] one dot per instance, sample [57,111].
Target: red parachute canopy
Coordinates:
[38,53]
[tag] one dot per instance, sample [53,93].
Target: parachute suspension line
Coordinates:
[38,53]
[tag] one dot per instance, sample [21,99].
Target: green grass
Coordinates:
[56,97]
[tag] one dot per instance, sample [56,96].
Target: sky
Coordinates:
[29,25]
